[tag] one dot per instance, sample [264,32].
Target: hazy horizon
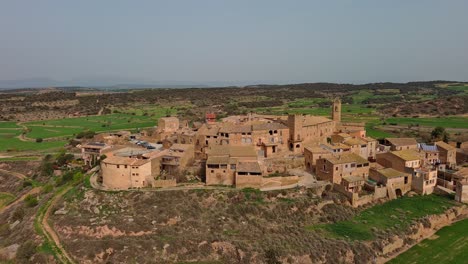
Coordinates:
[235,43]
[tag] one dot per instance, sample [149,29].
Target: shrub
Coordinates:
[25,252]
[39,140]
[18,214]
[31,201]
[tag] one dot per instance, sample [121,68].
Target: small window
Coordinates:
[118,166]
[125,166]
[212,171]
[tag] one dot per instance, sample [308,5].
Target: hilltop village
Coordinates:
[270,152]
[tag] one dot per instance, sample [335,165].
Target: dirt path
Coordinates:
[50,233]
[32,191]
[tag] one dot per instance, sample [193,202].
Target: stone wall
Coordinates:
[244,181]
[164,183]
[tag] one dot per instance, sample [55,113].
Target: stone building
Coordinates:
[308,130]
[223,163]
[447,154]
[129,168]
[365,147]
[430,154]
[334,168]
[401,160]
[177,158]
[91,152]
[398,183]
[424,180]
[401,143]
[461,192]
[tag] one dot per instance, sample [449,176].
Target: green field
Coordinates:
[60,129]
[71,126]
[393,215]
[8,125]
[5,198]
[449,245]
[446,121]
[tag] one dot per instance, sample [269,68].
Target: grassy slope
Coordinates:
[395,214]
[449,246]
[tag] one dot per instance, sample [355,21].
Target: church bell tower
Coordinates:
[336,110]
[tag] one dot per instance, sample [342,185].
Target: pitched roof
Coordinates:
[346,158]
[232,151]
[391,173]
[211,130]
[217,160]
[444,146]
[233,128]
[251,166]
[354,141]
[310,120]
[316,149]
[402,141]
[407,154]
[268,126]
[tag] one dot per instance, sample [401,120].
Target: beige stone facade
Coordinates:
[400,160]
[91,152]
[398,183]
[308,130]
[424,180]
[447,154]
[461,192]
[334,168]
[224,161]
[401,143]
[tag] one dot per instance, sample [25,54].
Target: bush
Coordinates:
[87,134]
[26,183]
[26,251]
[39,140]
[31,201]
[18,214]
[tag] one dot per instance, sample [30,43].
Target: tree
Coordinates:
[439,133]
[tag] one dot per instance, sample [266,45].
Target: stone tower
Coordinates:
[336,110]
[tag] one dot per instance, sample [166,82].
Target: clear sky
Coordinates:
[234,41]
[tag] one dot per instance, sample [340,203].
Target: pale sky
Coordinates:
[238,41]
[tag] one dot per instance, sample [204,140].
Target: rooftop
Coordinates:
[232,151]
[402,141]
[347,158]
[444,146]
[310,120]
[428,148]
[390,173]
[248,166]
[407,154]
[125,161]
[353,178]
[354,141]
